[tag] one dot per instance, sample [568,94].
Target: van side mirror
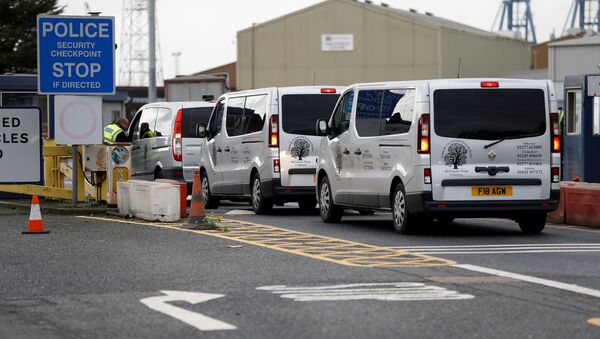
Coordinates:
[201,131]
[322,127]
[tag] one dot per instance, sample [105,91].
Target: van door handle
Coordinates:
[219,150]
[346,151]
[227,149]
[358,152]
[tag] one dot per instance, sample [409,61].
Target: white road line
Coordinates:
[533,280]
[401,291]
[508,252]
[497,245]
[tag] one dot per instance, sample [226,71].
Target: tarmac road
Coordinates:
[97,277]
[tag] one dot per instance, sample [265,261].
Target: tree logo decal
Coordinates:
[300,148]
[455,155]
[213,153]
[338,158]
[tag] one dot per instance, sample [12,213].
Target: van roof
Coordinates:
[285,89]
[184,104]
[449,82]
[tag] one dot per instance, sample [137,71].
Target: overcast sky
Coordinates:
[204,31]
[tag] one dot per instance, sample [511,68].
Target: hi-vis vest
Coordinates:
[149,134]
[110,133]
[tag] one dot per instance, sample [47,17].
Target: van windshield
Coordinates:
[301,111]
[191,118]
[489,114]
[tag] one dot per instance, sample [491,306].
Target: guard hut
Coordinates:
[581,131]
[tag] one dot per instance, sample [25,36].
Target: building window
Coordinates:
[574,112]
[596,116]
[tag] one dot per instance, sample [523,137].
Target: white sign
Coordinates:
[337,42]
[400,291]
[20,145]
[78,120]
[593,85]
[199,321]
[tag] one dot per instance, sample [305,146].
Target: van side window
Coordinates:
[574,112]
[341,117]
[596,129]
[234,122]
[254,113]
[216,120]
[163,122]
[384,112]
[397,111]
[149,116]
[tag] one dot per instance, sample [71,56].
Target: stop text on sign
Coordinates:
[76,55]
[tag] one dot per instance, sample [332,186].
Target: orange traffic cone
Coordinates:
[197,219]
[35,224]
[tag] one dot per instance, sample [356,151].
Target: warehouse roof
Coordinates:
[423,18]
[587,40]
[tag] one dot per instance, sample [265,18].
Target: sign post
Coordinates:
[76,55]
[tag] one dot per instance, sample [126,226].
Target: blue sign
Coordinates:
[76,55]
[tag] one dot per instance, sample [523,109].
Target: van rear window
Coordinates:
[301,111]
[191,118]
[489,114]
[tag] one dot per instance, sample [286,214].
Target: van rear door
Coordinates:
[298,141]
[192,117]
[490,141]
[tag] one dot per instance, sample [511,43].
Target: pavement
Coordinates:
[101,276]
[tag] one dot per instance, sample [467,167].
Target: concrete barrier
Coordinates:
[182,195]
[559,216]
[149,200]
[582,204]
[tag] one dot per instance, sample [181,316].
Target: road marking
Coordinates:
[594,322]
[197,320]
[342,252]
[502,249]
[400,291]
[240,212]
[533,280]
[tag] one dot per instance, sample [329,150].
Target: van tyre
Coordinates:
[307,204]
[210,201]
[260,204]
[329,211]
[533,224]
[400,210]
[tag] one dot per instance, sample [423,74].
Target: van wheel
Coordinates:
[366,212]
[533,224]
[158,174]
[329,211]
[260,204]
[400,210]
[210,201]
[307,204]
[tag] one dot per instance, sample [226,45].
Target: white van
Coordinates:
[262,144]
[443,149]
[160,154]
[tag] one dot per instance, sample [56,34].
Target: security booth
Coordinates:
[581,131]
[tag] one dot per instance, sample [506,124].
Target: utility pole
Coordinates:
[176,55]
[152,50]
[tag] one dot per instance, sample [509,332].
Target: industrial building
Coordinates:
[340,42]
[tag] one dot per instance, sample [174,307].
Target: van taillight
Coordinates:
[328,90]
[274,131]
[276,165]
[555,174]
[423,137]
[427,176]
[176,141]
[555,133]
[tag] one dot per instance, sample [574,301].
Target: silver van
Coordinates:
[173,130]
[443,149]
[262,144]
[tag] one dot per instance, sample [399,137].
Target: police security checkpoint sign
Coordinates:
[76,54]
[20,145]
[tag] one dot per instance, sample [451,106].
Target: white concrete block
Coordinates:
[154,201]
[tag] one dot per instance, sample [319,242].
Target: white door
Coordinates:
[214,153]
[298,143]
[253,141]
[192,117]
[141,148]
[382,144]
[231,147]
[490,143]
[339,143]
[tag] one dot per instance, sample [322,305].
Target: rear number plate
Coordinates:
[491,191]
